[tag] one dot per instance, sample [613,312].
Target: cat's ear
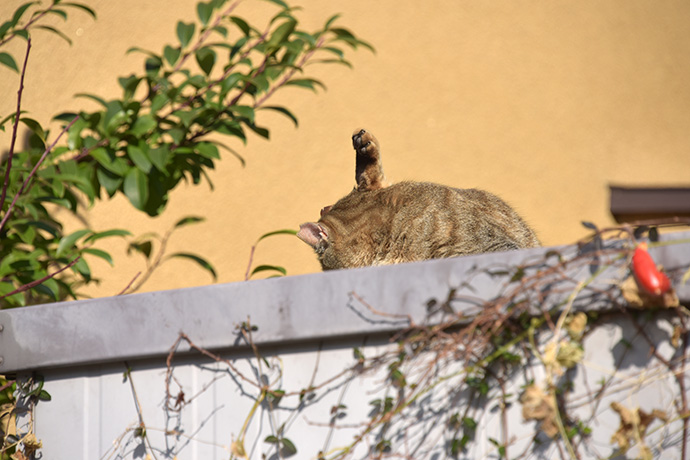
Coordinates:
[313,234]
[325,210]
[368,167]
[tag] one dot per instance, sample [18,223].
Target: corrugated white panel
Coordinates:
[95,415]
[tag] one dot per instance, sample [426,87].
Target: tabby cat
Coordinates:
[379,223]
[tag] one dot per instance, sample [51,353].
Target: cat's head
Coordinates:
[317,235]
[325,235]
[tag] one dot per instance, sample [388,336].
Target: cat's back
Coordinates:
[469,221]
[411,221]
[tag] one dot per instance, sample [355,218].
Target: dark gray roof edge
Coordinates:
[289,309]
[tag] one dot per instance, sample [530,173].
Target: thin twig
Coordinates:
[150,268]
[680,377]
[290,73]
[27,25]
[137,404]
[129,284]
[251,260]
[200,40]
[35,283]
[33,172]
[15,125]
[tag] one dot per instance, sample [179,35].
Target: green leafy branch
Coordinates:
[13,27]
[163,130]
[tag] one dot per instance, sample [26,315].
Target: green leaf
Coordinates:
[232,128]
[306,83]
[108,180]
[6,119]
[204,11]
[107,234]
[143,247]
[136,188]
[83,269]
[177,135]
[280,3]
[135,49]
[263,132]
[186,117]
[110,161]
[230,82]
[55,31]
[93,98]
[159,157]
[207,150]
[99,253]
[8,60]
[51,288]
[202,262]
[277,232]
[171,54]
[288,447]
[35,127]
[244,111]
[234,153]
[221,30]
[74,178]
[143,125]
[45,227]
[469,422]
[68,242]
[27,233]
[242,24]
[57,12]
[330,21]
[129,85]
[189,220]
[332,49]
[185,32]
[281,34]
[308,38]
[152,65]
[43,395]
[22,33]
[347,37]
[284,111]
[74,134]
[85,8]
[271,439]
[206,58]
[115,116]
[139,158]
[19,12]
[275,268]
[159,101]
[4,28]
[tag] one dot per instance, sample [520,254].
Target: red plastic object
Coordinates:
[647,275]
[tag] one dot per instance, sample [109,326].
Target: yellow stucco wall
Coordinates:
[544,103]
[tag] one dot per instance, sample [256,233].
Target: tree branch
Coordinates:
[35,283]
[33,171]
[15,125]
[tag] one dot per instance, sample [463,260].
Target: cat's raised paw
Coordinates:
[365,143]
